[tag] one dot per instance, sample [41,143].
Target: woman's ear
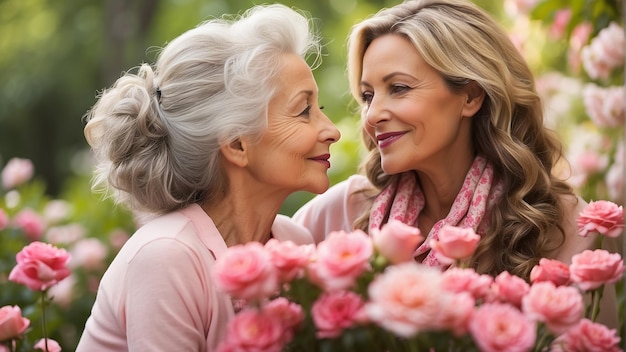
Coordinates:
[475,98]
[236,152]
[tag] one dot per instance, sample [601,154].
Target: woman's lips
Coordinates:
[322,159]
[385,139]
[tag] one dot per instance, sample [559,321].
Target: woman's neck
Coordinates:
[240,220]
[441,187]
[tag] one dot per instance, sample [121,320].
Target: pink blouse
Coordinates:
[334,210]
[158,295]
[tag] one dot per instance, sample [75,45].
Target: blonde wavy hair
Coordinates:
[156,134]
[464,44]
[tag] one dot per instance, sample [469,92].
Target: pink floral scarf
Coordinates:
[403,200]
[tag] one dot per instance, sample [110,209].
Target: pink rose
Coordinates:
[509,288]
[341,258]
[12,324]
[289,313]
[89,253]
[605,52]
[587,336]
[559,307]
[592,269]
[66,234]
[396,241]
[459,280]
[63,293]
[603,217]
[334,312]
[246,271]
[16,172]
[523,7]
[455,242]
[456,315]
[57,210]
[589,162]
[407,298]
[614,179]
[31,223]
[578,39]
[40,266]
[289,259]
[561,20]
[48,345]
[613,107]
[604,106]
[498,327]
[551,270]
[251,330]
[117,238]
[594,66]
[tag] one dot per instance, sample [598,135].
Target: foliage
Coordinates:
[572,28]
[59,55]
[90,228]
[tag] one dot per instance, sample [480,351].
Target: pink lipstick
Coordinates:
[385,139]
[322,159]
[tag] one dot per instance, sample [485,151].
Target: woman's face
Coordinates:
[416,121]
[293,154]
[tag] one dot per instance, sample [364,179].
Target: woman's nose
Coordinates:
[330,133]
[374,112]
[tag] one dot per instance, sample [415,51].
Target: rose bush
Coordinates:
[580,69]
[349,296]
[39,267]
[81,226]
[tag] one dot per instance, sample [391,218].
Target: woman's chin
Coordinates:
[318,187]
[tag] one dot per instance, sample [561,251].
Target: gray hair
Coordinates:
[156,135]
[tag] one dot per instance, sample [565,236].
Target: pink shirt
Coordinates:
[157,294]
[334,210]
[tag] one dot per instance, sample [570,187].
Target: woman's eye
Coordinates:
[399,88]
[367,97]
[306,111]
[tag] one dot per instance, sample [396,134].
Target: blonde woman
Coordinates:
[454,128]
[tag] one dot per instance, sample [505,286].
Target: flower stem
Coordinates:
[599,241]
[544,336]
[43,319]
[596,297]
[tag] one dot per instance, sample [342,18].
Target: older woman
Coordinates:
[211,143]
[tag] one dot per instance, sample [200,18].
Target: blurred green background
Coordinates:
[57,55]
